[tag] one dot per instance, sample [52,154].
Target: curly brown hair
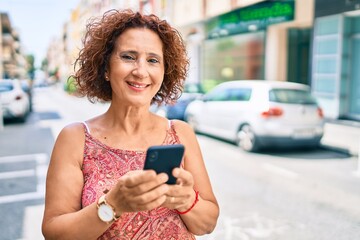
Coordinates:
[99,43]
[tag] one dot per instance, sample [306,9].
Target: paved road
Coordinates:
[24,155]
[301,195]
[25,150]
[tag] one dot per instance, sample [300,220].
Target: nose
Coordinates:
[140,70]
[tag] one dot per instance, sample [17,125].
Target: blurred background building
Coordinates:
[335,57]
[315,42]
[13,63]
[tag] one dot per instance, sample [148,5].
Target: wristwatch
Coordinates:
[105,211]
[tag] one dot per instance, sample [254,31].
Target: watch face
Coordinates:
[105,213]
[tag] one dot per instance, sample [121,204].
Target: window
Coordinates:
[239,94]
[291,96]
[229,94]
[6,87]
[219,94]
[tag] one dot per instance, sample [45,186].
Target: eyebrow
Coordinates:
[135,52]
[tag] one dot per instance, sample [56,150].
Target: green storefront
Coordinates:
[235,42]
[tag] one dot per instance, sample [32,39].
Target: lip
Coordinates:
[137,86]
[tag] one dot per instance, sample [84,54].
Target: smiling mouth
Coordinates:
[137,85]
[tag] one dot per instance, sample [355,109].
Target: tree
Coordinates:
[31,66]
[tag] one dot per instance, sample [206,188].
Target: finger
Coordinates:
[170,202]
[153,204]
[150,185]
[149,200]
[135,179]
[183,177]
[173,202]
[180,191]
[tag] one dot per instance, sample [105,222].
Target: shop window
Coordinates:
[327,46]
[324,84]
[326,65]
[235,57]
[329,25]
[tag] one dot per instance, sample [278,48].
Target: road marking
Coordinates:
[17,174]
[21,197]
[280,171]
[32,223]
[39,158]
[40,172]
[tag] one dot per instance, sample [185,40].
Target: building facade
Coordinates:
[13,64]
[231,40]
[336,57]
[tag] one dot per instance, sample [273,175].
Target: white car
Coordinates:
[259,113]
[14,100]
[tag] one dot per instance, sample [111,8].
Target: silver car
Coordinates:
[14,100]
[259,113]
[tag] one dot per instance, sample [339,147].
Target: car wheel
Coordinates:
[190,119]
[246,139]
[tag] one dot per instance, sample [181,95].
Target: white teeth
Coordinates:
[136,85]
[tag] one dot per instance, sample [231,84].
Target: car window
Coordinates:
[219,94]
[6,87]
[229,94]
[291,96]
[239,94]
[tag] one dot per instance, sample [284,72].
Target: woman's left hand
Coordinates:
[181,195]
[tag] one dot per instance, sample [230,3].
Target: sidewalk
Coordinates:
[342,135]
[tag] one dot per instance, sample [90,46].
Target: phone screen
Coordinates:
[164,158]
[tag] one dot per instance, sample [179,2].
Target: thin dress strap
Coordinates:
[86,126]
[169,124]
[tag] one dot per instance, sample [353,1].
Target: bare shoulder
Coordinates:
[72,132]
[69,144]
[182,128]
[185,132]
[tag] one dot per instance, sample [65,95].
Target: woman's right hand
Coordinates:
[138,191]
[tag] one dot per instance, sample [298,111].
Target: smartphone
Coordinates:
[164,158]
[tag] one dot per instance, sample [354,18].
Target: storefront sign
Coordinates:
[252,18]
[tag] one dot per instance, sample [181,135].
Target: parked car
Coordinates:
[26,86]
[14,100]
[177,110]
[258,113]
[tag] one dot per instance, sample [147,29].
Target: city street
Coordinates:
[274,195]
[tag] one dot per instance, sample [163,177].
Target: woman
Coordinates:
[96,188]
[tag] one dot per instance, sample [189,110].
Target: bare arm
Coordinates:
[203,217]
[64,218]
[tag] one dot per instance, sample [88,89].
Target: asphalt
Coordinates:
[29,138]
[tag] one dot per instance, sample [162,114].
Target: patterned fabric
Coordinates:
[102,166]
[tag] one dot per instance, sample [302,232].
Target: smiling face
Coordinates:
[136,68]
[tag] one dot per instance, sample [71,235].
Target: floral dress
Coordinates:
[102,166]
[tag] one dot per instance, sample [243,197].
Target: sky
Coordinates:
[38,21]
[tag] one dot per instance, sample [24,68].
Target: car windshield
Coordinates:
[291,96]
[6,87]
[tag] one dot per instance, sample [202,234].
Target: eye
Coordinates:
[127,57]
[153,60]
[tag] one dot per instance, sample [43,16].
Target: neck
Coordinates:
[129,119]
